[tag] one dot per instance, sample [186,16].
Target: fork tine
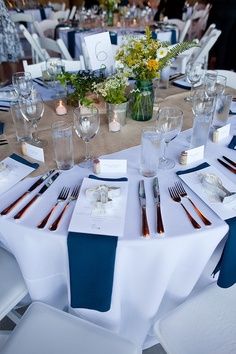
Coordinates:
[180,187]
[75,192]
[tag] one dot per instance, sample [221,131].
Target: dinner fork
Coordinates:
[176,198]
[61,198]
[72,197]
[182,192]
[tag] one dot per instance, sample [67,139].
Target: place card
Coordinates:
[110,166]
[221,133]
[33,151]
[93,215]
[191,155]
[13,169]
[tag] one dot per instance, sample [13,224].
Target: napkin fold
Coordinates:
[1,128]
[227,263]
[232,144]
[42,13]
[91,267]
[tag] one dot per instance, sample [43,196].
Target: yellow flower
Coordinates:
[162,52]
[152,64]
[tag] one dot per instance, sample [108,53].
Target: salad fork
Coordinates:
[182,192]
[176,198]
[61,198]
[72,197]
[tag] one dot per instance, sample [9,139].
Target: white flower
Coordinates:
[162,52]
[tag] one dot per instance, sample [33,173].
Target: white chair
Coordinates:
[17,18]
[47,330]
[46,28]
[184,31]
[72,13]
[13,288]
[57,6]
[204,324]
[72,65]
[36,69]
[37,53]
[231,77]
[60,15]
[64,50]
[51,46]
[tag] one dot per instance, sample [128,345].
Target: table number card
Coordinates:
[99,50]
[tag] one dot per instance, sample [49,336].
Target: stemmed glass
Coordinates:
[169,124]
[86,125]
[194,73]
[54,67]
[23,84]
[32,110]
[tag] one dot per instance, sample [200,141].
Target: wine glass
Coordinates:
[194,73]
[54,67]
[214,84]
[32,110]
[86,125]
[23,84]
[169,124]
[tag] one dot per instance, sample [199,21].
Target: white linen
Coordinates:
[151,275]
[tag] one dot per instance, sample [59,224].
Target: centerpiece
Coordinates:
[109,6]
[142,59]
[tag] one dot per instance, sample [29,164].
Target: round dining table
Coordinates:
[152,275]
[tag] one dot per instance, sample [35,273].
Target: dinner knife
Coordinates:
[142,201]
[40,192]
[229,161]
[35,185]
[230,168]
[157,201]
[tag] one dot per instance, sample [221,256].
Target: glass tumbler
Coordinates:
[63,145]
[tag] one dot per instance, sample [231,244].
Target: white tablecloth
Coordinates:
[151,275]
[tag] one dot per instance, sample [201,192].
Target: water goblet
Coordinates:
[32,110]
[194,74]
[23,84]
[86,125]
[54,67]
[169,124]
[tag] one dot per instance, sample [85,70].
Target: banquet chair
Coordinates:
[231,77]
[51,46]
[72,13]
[36,69]
[20,17]
[47,330]
[36,51]
[204,324]
[60,15]
[45,28]
[184,31]
[12,289]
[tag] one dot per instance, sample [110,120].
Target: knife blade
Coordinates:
[35,185]
[230,168]
[142,201]
[40,192]
[229,161]
[157,201]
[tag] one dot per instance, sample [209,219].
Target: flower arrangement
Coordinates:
[143,58]
[113,89]
[109,5]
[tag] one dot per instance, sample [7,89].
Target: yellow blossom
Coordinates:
[153,64]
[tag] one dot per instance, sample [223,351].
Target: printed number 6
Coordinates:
[101,55]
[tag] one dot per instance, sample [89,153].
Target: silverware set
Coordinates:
[230,165]
[3,142]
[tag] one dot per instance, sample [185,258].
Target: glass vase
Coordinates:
[109,17]
[116,115]
[141,101]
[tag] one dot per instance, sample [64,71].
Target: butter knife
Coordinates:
[35,185]
[40,192]
[142,201]
[229,161]
[230,168]
[157,201]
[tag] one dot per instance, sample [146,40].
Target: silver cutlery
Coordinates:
[180,189]
[40,192]
[176,198]
[230,168]
[61,198]
[229,161]
[35,185]
[142,201]
[157,201]
[72,197]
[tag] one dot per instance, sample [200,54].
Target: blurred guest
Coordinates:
[154,4]
[10,47]
[171,8]
[88,4]
[223,14]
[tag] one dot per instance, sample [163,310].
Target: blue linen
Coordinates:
[91,267]
[24,161]
[113,37]
[71,43]
[232,144]
[227,263]
[42,13]
[1,128]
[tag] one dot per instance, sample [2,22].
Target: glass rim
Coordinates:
[92,108]
[177,109]
[21,74]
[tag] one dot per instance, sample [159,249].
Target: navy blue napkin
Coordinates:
[24,161]
[1,128]
[71,43]
[175,83]
[173,36]
[113,37]
[91,266]
[227,263]
[42,13]
[232,144]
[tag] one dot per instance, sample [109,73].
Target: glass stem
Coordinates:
[164,151]
[35,126]
[87,152]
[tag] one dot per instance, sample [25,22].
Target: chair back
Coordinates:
[37,52]
[72,12]
[72,65]
[34,69]
[184,31]
[60,15]
[49,45]
[64,50]
[22,17]
[46,28]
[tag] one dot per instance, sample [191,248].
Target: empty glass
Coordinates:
[54,67]
[169,124]
[86,125]
[23,84]
[22,127]
[194,74]
[214,84]
[62,138]
[221,113]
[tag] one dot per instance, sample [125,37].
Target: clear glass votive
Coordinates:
[63,145]
[151,151]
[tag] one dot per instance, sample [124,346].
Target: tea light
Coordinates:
[61,109]
[118,24]
[114,125]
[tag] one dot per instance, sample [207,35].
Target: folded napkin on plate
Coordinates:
[227,263]
[91,265]
[1,128]
[232,144]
